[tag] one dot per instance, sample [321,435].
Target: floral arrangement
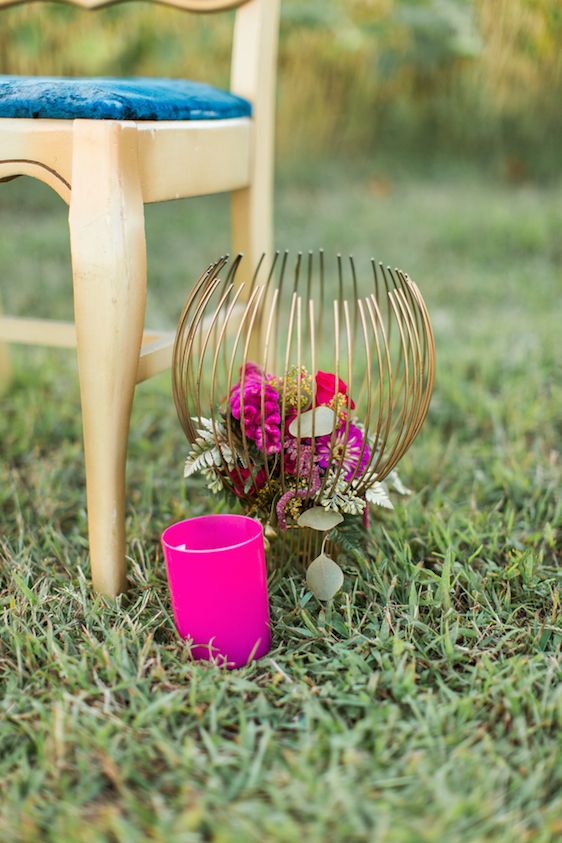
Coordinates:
[294,453]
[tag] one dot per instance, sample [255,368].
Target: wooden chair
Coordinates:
[106,170]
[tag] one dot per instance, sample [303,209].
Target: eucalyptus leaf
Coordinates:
[322,418]
[324,577]
[320,519]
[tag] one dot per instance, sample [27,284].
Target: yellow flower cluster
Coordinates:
[339,405]
[294,507]
[297,388]
[266,494]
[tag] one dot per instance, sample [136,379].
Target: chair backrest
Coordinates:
[254,51]
[188,5]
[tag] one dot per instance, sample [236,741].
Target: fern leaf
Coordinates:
[377,494]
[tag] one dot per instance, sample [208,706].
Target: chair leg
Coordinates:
[5,367]
[253,76]
[252,235]
[109,276]
[252,222]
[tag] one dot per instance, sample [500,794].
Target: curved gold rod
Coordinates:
[13,167]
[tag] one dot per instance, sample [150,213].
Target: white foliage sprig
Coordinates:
[340,496]
[379,493]
[213,480]
[212,450]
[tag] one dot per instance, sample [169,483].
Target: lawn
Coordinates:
[424,704]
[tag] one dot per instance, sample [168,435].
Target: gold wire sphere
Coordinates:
[293,317]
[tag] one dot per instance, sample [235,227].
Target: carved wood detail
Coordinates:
[188,5]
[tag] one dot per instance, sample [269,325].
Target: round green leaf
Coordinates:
[319,518]
[324,577]
[322,417]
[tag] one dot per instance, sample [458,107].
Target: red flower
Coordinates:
[240,475]
[326,389]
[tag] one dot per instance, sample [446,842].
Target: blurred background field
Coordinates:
[423,705]
[475,78]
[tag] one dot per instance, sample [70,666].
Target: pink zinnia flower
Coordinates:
[353,453]
[264,430]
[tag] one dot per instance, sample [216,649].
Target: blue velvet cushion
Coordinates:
[117,99]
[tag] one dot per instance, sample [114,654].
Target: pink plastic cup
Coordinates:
[218,585]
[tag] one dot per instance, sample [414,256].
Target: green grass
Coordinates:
[424,704]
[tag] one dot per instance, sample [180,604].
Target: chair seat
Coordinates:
[116,99]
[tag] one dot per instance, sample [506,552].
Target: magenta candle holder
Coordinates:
[218,586]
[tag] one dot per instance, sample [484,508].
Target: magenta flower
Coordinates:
[263,428]
[295,493]
[291,451]
[304,467]
[353,453]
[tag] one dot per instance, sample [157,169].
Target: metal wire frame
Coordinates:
[300,545]
[372,329]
